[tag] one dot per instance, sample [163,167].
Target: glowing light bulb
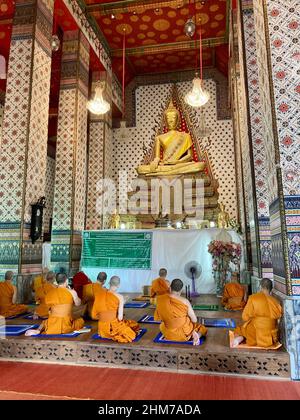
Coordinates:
[98,105]
[197,96]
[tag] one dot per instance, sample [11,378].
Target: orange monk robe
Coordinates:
[37,283]
[60,320]
[7,307]
[105,309]
[233,297]
[261,314]
[159,286]
[88,295]
[176,325]
[43,310]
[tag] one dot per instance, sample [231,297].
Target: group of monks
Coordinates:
[63,308]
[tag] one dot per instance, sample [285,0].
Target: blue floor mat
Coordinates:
[137,338]
[69,335]
[161,340]
[30,316]
[14,330]
[148,319]
[218,323]
[136,304]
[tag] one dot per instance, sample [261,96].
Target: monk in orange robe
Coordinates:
[160,286]
[108,309]
[179,322]
[8,298]
[234,296]
[261,314]
[42,310]
[91,290]
[39,281]
[60,301]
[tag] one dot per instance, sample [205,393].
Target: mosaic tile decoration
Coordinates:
[262,194]
[71,154]
[284,31]
[25,130]
[265,98]
[49,192]
[95,171]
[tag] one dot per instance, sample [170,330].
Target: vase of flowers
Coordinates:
[223,253]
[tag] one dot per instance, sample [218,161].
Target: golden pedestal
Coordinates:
[149,212]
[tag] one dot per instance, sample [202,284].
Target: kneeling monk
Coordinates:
[8,298]
[43,310]
[108,309]
[91,290]
[234,296]
[179,322]
[261,314]
[60,301]
[161,285]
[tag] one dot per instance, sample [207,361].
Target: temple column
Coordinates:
[277,28]
[98,155]
[256,133]
[71,154]
[23,147]
[243,139]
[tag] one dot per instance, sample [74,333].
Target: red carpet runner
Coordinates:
[126,384]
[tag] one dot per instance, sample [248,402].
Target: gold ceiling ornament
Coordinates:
[124,27]
[161,25]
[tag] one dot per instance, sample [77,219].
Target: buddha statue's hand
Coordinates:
[154,164]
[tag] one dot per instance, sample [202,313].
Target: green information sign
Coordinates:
[117,249]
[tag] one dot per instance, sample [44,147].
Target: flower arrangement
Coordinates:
[223,254]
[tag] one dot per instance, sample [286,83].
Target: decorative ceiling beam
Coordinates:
[90,31]
[175,46]
[135,6]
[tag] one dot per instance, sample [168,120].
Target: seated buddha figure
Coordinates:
[177,151]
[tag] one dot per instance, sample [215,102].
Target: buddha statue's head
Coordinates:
[172,116]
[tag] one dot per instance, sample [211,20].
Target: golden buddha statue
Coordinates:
[223,217]
[177,151]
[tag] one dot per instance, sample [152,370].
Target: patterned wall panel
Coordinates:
[151,100]
[95,172]
[284,31]
[266,104]
[71,154]
[1,120]
[25,128]
[257,143]
[38,129]
[49,192]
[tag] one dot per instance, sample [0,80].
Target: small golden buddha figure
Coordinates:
[115,221]
[177,151]
[223,217]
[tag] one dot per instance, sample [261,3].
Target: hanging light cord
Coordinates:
[201,71]
[123,75]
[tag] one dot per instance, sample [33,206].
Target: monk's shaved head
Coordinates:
[176,285]
[163,272]
[115,281]
[102,276]
[9,275]
[266,284]
[50,276]
[61,278]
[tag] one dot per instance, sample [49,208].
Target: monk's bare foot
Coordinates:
[237,340]
[29,333]
[35,316]
[196,338]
